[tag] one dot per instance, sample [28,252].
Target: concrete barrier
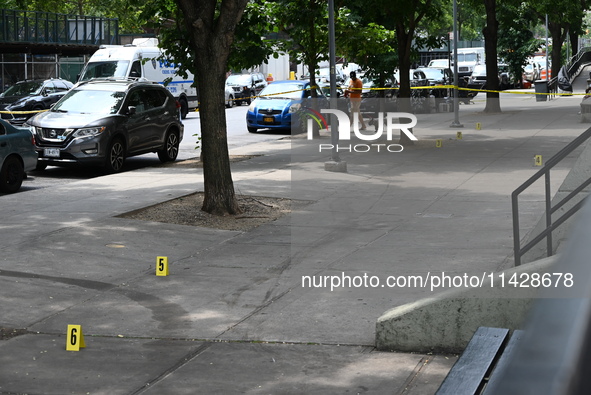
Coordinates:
[445,323]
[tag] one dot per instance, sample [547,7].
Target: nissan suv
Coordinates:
[102,122]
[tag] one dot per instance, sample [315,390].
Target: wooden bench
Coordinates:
[486,354]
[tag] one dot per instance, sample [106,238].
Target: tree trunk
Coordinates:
[490,32]
[211,33]
[574,43]
[557,34]
[403,45]
[219,196]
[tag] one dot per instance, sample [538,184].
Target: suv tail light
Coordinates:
[178,104]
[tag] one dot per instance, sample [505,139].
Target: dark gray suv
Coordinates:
[102,122]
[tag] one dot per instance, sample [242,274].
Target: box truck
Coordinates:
[141,60]
[468,58]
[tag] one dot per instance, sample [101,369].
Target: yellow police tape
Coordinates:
[373,89]
[489,90]
[431,87]
[22,112]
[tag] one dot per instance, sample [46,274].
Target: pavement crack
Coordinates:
[183,361]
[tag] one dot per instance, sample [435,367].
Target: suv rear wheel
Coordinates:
[115,156]
[171,148]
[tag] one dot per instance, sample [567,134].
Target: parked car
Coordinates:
[370,90]
[545,70]
[418,96]
[445,77]
[531,72]
[26,97]
[229,97]
[17,156]
[246,86]
[438,76]
[323,75]
[478,78]
[103,122]
[279,105]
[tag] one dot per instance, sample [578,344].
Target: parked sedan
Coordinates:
[279,105]
[229,92]
[22,100]
[531,72]
[103,122]
[246,86]
[478,78]
[17,156]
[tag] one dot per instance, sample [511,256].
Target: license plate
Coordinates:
[51,152]
[268,119]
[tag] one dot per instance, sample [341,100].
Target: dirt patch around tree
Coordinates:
[186,210]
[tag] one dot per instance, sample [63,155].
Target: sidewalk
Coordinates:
[233,316]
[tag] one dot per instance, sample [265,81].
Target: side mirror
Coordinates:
[131,110]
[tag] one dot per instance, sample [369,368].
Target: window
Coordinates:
[49,88]
[154,98]
[60,86]
[136,70]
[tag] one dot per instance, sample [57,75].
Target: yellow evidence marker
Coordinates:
[478,126]
[75,338]
[439,143]
[162,266]
[538,160]
[459,135]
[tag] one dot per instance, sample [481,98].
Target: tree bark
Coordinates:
[490,32]
[211,33]
[558,33]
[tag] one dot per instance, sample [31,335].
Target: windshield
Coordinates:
[439,63]
[467,57]
[24,89]
[433,74]
[479,70]
[115,68]
[238,80]
[290,91]
[103,102]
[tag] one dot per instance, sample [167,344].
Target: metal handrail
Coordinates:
[550,225]
[553,355]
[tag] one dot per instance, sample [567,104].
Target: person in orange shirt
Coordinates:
[353,92]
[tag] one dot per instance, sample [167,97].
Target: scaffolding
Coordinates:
[41,45]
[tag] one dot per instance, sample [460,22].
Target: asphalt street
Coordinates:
[235,315]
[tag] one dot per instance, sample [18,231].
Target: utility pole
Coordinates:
[456,122]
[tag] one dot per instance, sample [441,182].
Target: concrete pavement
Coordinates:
[235,314]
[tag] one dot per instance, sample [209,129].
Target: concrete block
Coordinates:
[447,321]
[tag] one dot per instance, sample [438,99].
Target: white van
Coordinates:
[140,61]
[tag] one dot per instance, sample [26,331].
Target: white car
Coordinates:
[229,97]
